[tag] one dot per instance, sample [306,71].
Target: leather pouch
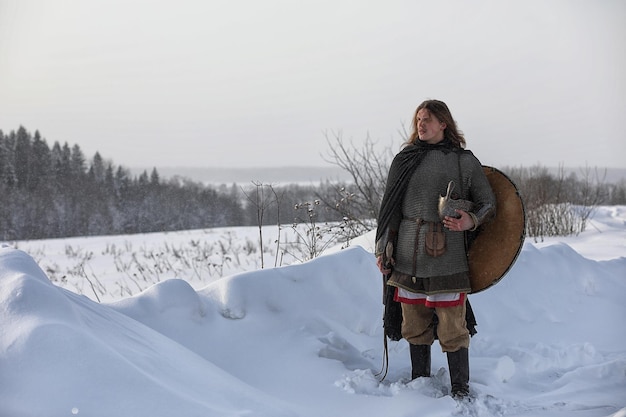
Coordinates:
[435,240]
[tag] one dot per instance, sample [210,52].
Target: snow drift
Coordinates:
[306,340]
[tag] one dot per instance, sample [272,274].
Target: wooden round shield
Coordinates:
[499,241]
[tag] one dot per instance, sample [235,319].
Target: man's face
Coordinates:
[429,128]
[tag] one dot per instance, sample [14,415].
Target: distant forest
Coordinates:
[51,192]
[57,192]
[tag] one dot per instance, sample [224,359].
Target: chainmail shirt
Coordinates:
[414,269]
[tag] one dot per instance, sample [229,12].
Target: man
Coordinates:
[430,270]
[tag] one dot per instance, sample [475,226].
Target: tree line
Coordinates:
[52,192]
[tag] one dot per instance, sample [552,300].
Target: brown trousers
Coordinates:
[417,326]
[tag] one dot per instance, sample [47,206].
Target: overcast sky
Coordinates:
[234,83]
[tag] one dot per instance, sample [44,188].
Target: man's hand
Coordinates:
[381,267]
[465,222]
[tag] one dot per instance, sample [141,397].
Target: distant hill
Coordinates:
[311,174]
[285,175]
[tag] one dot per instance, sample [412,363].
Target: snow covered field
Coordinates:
[189,328]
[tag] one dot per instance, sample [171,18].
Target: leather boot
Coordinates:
[420,360]
[458,364]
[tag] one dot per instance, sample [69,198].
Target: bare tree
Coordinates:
[367,167]
[261,201]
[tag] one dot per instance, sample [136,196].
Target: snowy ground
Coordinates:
[300,340]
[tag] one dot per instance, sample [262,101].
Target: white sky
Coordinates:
[237,83]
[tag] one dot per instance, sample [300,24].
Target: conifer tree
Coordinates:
[22,156]
[98,168]
[40,163]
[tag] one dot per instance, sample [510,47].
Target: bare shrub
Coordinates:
[557,204]
[311,237]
